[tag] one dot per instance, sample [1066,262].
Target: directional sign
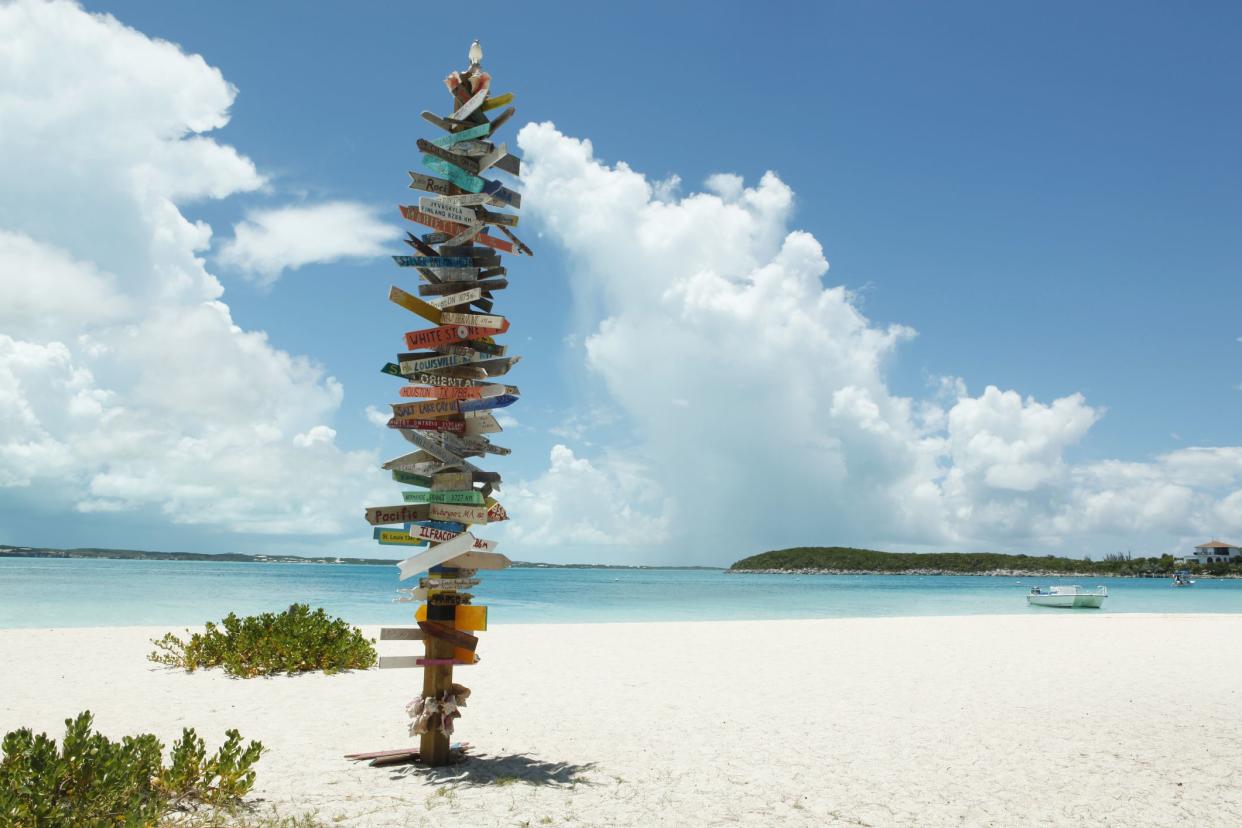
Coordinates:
[431,533]
[393,537]
[412,303]
[411,479]
[465,297]
[495,512]
[461,178]
[435,408]
[443,335]
[471,105]
[481,560]
[436,555]
[424,424]
[501,193]
[481,423]
[474,149]
[469,617]
[453,480]
[502,401]
[432,447]
[432,261]
[462,497]
[435,363]
[490,159]
[467,200]
[507,219]
[448,583]
[380,515]
[407,460]
[522,248]
[444,632]
[452,212]
[457,274]
[477,320]
[440,380]
[465,514]
[443,393]
[496,102]
[468,233]
[500,119]
[446,141]
[418,181]
[463,162]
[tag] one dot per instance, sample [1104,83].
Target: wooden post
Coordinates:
[434,747]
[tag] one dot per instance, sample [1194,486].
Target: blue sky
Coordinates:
[1048,195]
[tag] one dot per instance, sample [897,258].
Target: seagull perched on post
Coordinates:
[476,54]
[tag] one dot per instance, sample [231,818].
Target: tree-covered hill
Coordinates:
[847,559]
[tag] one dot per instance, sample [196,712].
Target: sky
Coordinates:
[1029,338]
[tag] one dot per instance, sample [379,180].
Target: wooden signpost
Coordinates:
[446,371]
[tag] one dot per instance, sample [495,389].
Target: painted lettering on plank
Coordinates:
[432,261]
[377,515]
[467,498]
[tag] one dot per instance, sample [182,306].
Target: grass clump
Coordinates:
[89,780]
[294,641]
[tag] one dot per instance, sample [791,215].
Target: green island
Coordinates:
[845,560]
[233,557]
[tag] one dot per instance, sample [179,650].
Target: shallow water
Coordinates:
[87,593]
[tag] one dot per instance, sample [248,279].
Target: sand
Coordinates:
[1051,719]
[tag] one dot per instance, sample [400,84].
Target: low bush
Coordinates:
[295,641]
[89,780]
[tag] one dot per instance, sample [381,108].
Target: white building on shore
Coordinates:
[1214,551]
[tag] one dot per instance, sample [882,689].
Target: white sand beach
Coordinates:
[1050,719]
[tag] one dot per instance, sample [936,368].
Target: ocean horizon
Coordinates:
[47,592]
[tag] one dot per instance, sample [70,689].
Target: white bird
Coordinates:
[476,54]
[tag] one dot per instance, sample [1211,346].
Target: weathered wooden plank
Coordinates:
[398,662]
[413,304]
[496,102]
[381,515]
[432,261]
[500,119]
[434,408]
[464,497]
[428,424]
[469,183]
[464,514]
[475,320]
[501,401]
[438,554]
[526,251]
[446,632]
[481,560]
[400,634]
[452,212]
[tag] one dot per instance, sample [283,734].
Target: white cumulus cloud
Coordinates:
[269,242]
[125,384]
[757,406]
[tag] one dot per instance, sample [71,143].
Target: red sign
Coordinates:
[424,424]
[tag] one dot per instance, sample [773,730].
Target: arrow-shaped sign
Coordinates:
[460,497]
[415,305]
[436,555]
[380,515]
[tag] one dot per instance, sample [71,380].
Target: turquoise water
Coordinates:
[85,593]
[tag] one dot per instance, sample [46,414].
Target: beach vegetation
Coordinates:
[297,640]
[90,780]
[848,559]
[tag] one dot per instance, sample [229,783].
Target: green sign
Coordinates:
[469,497]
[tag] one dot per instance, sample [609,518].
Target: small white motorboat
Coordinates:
[1182,579]
[1069,597]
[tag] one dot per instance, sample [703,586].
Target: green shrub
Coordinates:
[295,641]
[92,781]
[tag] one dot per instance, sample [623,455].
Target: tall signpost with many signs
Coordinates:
[451,370]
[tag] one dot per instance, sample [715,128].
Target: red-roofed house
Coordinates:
[1215,551]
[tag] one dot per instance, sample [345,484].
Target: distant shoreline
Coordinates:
[91,553]
[988,573]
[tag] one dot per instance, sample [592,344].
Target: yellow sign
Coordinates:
[496,102]
[412,303]
[469,617]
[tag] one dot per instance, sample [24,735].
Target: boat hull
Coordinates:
[1066,601]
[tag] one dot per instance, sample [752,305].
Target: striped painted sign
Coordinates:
[502,401]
